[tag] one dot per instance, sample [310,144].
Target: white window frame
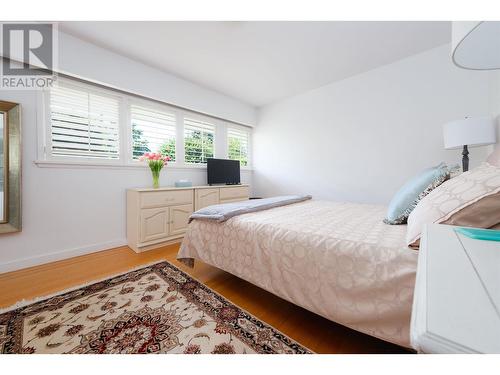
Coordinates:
[125,159]
[128,125]
[46,148]
[198,117]
[247,130]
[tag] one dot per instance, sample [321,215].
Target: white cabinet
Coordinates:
[206,197]
[154,223]
[179,218]
[157,217]
[233,194]
[457,294]
[165,198]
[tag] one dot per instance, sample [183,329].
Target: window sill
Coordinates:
[100,165]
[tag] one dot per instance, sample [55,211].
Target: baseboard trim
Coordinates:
[59,255]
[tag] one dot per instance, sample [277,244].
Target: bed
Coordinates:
[338,260]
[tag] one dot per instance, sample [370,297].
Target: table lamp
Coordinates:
[469,132]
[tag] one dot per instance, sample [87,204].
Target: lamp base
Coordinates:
[465,159]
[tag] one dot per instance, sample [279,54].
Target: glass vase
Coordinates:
[156,179]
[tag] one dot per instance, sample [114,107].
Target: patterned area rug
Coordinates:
[156,309]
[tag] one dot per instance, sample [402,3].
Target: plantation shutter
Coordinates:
[152,131]
[198,141]
[237,142]
[84,124]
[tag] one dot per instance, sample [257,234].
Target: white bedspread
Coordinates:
[338,260]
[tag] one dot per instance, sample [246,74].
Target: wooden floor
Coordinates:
[311,330]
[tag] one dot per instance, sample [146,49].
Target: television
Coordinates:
[223,171]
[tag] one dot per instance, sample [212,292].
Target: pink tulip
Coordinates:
[155,156]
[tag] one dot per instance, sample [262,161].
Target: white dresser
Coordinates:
[457,294]
[157,217]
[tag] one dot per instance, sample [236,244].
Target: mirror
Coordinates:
[10,168]
[3,169]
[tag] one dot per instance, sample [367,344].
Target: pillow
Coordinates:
[451,197]
[485,213]
[407,197]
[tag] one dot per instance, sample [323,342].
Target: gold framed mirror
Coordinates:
[10,167]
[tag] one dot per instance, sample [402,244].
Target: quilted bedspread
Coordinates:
[338,260]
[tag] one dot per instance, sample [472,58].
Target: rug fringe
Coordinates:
[25,302]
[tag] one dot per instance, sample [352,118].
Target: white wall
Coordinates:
[495,102]
[361,138]
[68,211]
[86,60]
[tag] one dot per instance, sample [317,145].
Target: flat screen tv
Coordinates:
[223,171]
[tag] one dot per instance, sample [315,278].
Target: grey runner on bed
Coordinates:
[223,212]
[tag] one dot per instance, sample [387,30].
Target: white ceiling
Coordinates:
[261,62]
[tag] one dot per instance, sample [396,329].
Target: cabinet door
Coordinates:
[179,216]
[154,223]
[234,192]
[206,197]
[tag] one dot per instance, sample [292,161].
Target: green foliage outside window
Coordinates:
[168,149]
[198,147]
[141,145]
[237,151]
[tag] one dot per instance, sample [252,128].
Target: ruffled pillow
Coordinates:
[407,198]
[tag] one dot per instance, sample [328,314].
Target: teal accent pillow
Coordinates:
[407,198]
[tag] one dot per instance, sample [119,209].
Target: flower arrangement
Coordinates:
[156,162]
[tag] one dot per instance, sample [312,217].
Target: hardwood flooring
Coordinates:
[311,330]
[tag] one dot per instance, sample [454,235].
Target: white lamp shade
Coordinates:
[479,131]
[476,45]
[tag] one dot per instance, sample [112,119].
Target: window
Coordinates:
[237,145]
[89,124]
[84,124]
[198,141]
[152,131]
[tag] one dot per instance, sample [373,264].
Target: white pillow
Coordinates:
[451,197]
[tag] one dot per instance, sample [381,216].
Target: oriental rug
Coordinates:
[154,309]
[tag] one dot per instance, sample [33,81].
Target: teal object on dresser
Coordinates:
[480,234]
[183,183]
